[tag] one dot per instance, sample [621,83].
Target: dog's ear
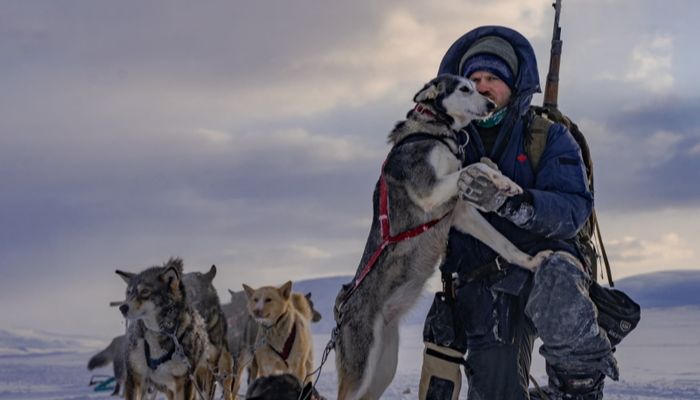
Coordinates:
[248,291]
[286,290]
[308,296]
[126,276]
[175,262]
[429,92]
[171,276]
[211,274]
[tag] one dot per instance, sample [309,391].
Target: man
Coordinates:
[497,309]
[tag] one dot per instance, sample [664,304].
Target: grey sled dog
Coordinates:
[422,184]
[168,341]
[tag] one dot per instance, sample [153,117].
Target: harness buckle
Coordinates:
[497,261]
[449,285]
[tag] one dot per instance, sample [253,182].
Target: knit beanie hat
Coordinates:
[492,54]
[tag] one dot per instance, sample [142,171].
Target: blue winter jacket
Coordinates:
[558,188]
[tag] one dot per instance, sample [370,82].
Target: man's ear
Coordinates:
[286,290]
[126,276]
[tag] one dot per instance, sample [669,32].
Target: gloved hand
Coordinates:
[478,186]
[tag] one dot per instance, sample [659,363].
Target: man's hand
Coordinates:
[479,184]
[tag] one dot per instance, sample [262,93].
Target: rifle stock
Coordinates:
[551,89]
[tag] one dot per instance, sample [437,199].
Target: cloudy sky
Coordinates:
[249,134]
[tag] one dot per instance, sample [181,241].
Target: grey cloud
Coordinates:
[663,176]
[222,40]
[102,167]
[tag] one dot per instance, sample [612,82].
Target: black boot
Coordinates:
[570,386]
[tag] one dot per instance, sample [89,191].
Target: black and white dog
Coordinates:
[417,200]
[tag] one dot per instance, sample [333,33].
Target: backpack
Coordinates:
[618,314]
[541,119]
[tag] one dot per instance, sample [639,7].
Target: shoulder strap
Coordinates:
[536,140]
[415,137]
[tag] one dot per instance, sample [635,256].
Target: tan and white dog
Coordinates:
[284,342]
[243,330]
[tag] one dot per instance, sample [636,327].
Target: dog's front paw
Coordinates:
[536,261]
[484,187]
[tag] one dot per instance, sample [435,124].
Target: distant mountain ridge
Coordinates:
[663,289]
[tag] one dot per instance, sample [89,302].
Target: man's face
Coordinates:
[492,87]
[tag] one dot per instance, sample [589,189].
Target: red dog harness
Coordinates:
[385,230]
[287,349]
[384,225]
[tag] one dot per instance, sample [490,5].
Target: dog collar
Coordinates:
[155,363]
[424,110]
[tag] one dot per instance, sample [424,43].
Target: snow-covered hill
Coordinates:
[659,289]
[26,342]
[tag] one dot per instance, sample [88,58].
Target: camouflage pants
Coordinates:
[559,310]
[566,319]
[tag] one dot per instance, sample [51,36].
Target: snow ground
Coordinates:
[659,360]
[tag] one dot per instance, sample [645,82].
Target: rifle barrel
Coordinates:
[551,89]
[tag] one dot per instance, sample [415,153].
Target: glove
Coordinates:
[518,209]
[477,186]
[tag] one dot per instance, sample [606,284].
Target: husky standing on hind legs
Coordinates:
[415,205]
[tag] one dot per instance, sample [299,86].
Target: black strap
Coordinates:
[415,137]
[445,357]
[485,270]
[155,363]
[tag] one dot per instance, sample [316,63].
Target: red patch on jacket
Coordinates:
[522,158]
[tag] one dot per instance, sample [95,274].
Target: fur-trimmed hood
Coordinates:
[527,81]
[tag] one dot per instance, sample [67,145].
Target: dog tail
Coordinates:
[104,357]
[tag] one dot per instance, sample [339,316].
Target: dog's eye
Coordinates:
[145,293]
[267,300]
[465,89]
[255,299]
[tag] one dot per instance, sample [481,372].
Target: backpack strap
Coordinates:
[415,137]
[536,139]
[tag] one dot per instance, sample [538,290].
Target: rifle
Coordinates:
[551,94]
[551,88]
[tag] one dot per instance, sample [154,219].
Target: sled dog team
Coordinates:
[180,341]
